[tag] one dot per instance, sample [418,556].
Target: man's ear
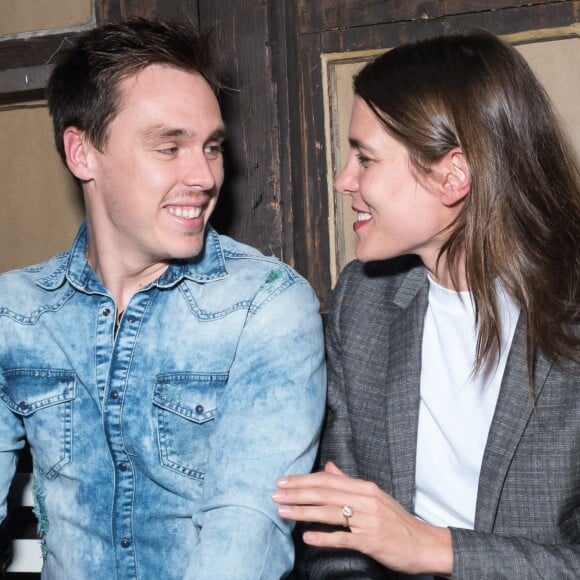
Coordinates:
[76,149]
[456,180]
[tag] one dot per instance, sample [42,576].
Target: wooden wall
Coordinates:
[276,193]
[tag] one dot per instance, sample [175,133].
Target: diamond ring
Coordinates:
[347,512]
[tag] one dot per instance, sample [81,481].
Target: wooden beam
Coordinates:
[116,10]
[23,84]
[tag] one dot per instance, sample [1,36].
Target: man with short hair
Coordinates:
[164,375]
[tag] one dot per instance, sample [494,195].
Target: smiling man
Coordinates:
[164,375]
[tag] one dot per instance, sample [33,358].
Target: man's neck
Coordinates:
[121,279]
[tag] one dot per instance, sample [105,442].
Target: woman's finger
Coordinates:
[331,540]
[335,506]
[327,514]
[331,478]
[318,479]
[331,467]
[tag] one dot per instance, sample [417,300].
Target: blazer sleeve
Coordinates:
[485,555]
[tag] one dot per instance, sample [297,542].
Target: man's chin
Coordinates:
[189,253]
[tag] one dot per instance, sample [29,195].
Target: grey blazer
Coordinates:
[527,521]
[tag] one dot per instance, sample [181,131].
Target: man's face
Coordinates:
[156,183]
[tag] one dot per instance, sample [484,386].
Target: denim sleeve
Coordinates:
[11,442]
[268,425]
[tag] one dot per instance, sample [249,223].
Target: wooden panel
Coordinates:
[41,203]
[309,166]
[115,10]
[250,204]
[336,14]
[17,16]
[338,106]
[25,62]
[282,35]
[556,63]
[507,21]
[35,51]
[25,83]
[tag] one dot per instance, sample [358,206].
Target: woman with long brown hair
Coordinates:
[452,441]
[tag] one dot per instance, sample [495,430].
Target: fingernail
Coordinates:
[282,481]
[309,537]
[278,494]
[284,510]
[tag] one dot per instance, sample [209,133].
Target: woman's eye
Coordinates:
[363,160]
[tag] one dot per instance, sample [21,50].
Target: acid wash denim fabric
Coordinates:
[155,451]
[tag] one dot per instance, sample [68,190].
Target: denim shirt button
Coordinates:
[125,542]
[131,319]
[199,409]
[23,405]
[106,312]
[123,466]
[114,395]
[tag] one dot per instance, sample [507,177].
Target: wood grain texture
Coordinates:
[340,14]
[115,10]
[250,208]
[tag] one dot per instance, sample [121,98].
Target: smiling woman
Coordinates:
[399,211]
[453,343]
[541,49]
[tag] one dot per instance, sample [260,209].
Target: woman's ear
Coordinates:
[456,180]
[77,154]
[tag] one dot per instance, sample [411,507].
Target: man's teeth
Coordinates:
[362,217]
[185,212]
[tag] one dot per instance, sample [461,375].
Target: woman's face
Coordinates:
[396,213]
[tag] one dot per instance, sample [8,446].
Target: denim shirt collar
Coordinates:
[208,266]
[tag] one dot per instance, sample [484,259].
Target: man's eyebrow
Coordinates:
[219,135]
[168,132]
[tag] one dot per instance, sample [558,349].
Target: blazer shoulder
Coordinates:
[366,286]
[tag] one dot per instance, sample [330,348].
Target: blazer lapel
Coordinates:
[402,385]
[512,414]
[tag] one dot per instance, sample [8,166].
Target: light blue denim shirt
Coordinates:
[156,449]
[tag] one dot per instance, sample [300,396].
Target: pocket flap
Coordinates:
[192,396]
[25,391]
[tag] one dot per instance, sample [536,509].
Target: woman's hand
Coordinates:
[379,526]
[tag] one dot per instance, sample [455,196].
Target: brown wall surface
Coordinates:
[17,16]
[41,203]
[279,166]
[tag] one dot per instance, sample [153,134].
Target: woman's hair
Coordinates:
[520,222]
[83,90]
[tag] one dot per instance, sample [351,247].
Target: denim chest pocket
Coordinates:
[186,405]
[43,398]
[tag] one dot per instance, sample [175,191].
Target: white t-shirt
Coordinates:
[457,405]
